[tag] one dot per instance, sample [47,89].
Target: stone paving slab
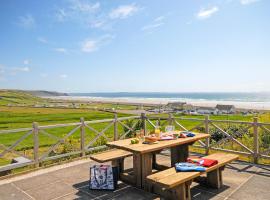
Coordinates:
[51,191]
[199,194]
[36,181]
[10,192]
[77,195]
[257,187]
[241,181]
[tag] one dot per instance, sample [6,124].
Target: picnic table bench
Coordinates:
[143,155]
[176,185]
[116,156]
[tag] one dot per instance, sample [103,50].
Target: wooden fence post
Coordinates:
[36,143]
[115,132]
[207,141]
[82,137]
[143,118]
[255,139]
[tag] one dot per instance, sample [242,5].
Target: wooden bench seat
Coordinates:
[116,156]
[110,155]
[214,173]
[176,185]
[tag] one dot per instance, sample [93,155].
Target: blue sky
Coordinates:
[123,45]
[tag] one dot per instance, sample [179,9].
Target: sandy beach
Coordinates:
[163,101]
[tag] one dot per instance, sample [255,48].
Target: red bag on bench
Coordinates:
[203,161]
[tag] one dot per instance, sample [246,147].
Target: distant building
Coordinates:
[225,109]
[207,110]
[188,107]
[176,105]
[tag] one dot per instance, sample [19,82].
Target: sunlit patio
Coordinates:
[70,181]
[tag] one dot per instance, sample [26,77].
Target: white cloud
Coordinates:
[90,15]
[97,23]
[61,15]
[206,13]
[123,11]
[91,45]
[26,62]
[11,71]
[84,6]
[247,2]
[61,50]
[42,40]
[21,69]
[77,10]
[160,18]
[27,21]
[151,26]
[63,76]
[157,22]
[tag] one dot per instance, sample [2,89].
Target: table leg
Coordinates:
[179,154]
[137,168]
[142,166]
[154,162]
[147,160]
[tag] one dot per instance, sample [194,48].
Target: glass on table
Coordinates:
[169,128]
[139,134]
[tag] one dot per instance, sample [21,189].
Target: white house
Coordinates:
[207,110]
[226,109]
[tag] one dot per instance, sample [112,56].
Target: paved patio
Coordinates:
[70,181]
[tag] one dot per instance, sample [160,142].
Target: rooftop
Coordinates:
[70,181]
[224,107]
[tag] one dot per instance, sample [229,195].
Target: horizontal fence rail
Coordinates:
[39,144]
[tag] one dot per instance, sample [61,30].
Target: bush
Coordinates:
[236,131]
[130,123]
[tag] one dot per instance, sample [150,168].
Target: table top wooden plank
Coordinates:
[146,148]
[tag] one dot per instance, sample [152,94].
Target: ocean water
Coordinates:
[195,96]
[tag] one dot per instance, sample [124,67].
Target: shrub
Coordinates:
[130,123]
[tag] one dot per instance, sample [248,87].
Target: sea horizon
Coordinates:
[181,96]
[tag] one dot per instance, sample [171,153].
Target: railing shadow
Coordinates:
[205,193]
[245,167]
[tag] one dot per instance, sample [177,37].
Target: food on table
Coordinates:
[167,137]
[135,141]
[175,135]
[150,139]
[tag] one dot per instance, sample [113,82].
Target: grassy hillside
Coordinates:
[16,97]
[20,117]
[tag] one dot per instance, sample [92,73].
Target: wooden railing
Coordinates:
[254,129]
[44,145]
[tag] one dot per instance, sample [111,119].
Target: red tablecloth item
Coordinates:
[203,161]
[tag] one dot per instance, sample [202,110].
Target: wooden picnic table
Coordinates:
[143,154]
